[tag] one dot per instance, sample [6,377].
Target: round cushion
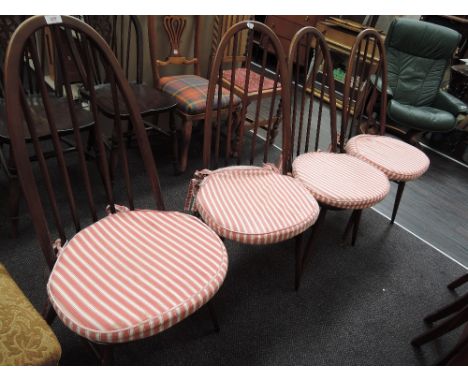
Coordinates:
[255,205]
[341,180]
[134,274]
[398,160]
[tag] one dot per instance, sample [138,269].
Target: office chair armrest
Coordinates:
[379,86]
[450,103]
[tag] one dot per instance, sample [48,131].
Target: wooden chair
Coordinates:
[8,25]
[130,274]
[221,25]
[338,181]
[455,315]
[366,74]
[190,90]
[255,203]
[125,36]
[25,338]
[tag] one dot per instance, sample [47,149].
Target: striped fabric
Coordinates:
[255,205]
[398,160]
[341,180]
[254,80]
[134,274]
[191,91]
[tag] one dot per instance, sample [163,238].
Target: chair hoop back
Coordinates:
[22,119]
[310,64]
[227,120]
[365,82]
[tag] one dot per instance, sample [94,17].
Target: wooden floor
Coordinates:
[435,207]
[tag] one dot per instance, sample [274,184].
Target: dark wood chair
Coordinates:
[120,276]
[256,203]
[455,315]
[337,180]
[366,74]
[189,89]
[8,25]
[125,36]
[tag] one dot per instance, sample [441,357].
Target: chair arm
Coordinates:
[448,102]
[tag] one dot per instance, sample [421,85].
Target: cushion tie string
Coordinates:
[118,208]
[194,186]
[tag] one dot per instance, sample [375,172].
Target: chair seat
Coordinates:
[420,117]
[191,91]
[25,338]
[254,80]
[134,274]
[255,205]
[62,119]
[398,160]
[341,180]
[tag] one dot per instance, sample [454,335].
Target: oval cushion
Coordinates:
[255,205]
[398,160]
[134,274]
[341,180]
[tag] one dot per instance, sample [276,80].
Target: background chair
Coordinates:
[365,75]
[337,180]
[250,204]
[8,25]
[25,338]
[418,55]
[115,278]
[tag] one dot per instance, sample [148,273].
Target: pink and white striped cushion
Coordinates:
[398,160]
[134,274]
[341,180]
[255,205]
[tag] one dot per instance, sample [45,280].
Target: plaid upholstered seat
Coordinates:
[398,160]
[254,80]
[191,91]
[341,180]
[134,274]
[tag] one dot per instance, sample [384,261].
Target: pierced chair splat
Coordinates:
[118,277]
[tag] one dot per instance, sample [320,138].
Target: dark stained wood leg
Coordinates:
[186,137]
[107,355]
[49,314]
[213,317]
[129,133]
[350,225]
[175,142]
[299,254]
[458,282]
[13,204]
[445,327]
[357,220]
[401,188]
[458,356]
[306,253]
[448,309]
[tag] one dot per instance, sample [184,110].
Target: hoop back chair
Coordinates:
[239,193]
[8,24]
[337,181]
[364,110]
[132,273]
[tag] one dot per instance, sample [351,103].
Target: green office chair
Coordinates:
[418,54]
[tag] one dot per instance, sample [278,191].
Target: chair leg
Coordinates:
[49,314]
[175,142]
[448,309]
[106,354]
[401,188]
[445,327]
[353,223]
[303,255]
[458,282]
[299,255]
[13,204]
[458,356]
[214,318]
[186,137]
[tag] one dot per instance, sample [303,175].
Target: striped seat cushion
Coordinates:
[190,92]
[341,180]
[254,80]
[398,160]
[255,205]
[134,274]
